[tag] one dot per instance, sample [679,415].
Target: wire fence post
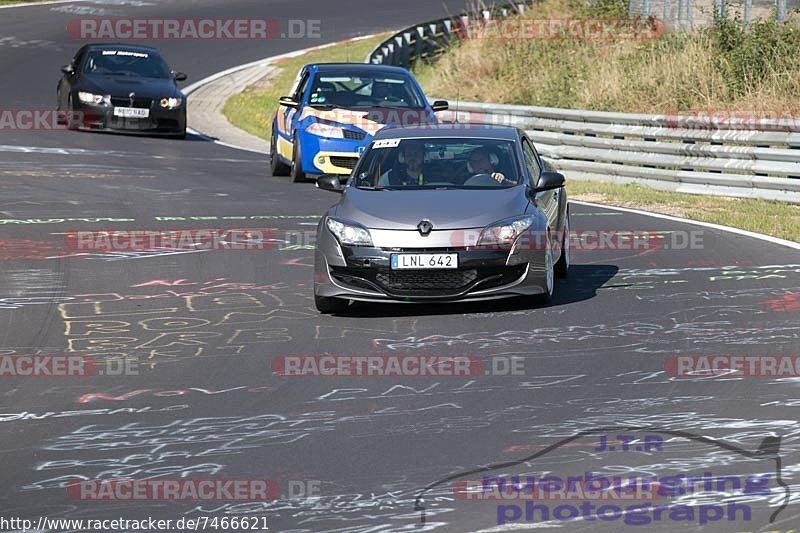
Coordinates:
[720,9]
[638,8]
[681,21]
[748,13]
[780,10]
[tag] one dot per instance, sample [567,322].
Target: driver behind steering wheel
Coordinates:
[408,171]
[381,90]
[480,162]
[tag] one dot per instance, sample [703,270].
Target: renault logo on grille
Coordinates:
[425,227]
[132,96]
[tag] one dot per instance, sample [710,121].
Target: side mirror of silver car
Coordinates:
[330,182]
[548,181]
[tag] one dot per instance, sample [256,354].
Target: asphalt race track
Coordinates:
[203,329]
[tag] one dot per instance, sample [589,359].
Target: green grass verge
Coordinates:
[778,219]
[252,110]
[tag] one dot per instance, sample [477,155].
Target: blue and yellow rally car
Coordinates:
[333,111]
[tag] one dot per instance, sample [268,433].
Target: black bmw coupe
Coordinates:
[121,87]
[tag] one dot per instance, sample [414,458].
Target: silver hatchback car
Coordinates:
[438,213]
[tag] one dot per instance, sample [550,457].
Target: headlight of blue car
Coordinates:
[325,130]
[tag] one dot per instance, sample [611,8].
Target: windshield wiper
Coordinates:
[322,106]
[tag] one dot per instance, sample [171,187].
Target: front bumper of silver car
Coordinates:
[365,273]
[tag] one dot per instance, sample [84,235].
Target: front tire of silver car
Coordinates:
[562,267]
[327,305]
[549,275]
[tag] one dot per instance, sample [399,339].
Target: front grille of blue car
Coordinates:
[354,135]
[344,162]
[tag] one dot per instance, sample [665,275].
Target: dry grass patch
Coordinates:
[717,68]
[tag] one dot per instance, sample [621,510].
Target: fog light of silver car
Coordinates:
[348,233]
[171,103]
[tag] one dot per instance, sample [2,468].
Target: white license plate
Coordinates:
[424,261]
[131,112]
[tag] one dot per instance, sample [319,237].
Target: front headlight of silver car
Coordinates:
[505,232]
[350,234]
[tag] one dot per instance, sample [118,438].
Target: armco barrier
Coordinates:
[426,40]
[705,155]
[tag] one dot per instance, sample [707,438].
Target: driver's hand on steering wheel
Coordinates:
[498,176]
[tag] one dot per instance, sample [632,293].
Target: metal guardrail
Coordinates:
[702,156]
[428,39]
[697,155]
